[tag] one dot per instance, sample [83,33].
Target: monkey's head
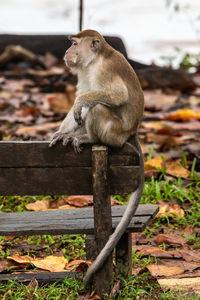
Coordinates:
[86,46]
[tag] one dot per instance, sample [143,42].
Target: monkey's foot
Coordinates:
[59,136]
[77,144]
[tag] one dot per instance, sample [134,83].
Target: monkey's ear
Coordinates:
[95,44]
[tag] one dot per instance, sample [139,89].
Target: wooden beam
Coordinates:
[102,215]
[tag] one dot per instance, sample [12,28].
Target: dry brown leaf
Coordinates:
[157,100]
[170,210]
[184,115]
[25,259]
[175,169]
[39,205]
[4,264]
[33,130]
[155,251]
[192,284]
[164,139]
[76,264]
[59,102]
[50,263]
[190,255]
[170,239]
[79,200]
[162,270]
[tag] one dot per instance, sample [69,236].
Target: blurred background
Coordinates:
[161,31]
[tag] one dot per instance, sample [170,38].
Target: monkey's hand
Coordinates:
[77,113]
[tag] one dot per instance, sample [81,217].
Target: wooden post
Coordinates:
[80,14]
[102,215]
[124,256]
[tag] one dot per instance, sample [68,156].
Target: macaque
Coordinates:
[108,109]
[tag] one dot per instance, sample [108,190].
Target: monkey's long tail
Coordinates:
[121,227]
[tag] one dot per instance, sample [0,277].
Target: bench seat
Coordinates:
[72,221]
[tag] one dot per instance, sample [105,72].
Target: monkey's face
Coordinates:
[81,53]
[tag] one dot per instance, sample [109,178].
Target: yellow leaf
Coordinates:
[153,164]
[170,210]
[175,169]
[184,115]
[51,263]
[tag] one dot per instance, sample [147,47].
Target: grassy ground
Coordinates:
[143,286]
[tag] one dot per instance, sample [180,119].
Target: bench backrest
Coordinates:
[32,168]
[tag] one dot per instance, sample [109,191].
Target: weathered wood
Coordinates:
[29,223]
[38,154]
[41,277]
[90,247]
[102,215]
[60,181]
[123,256]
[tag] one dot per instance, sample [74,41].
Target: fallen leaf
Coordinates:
[79,200]
[4,264]
[170,210]
[183,114]
[50,263]
[25,259]
[66,206]
[190,255]
[155,251]
[39,205]
[162,270]
[59,102]
[34,130]
[170,239]
[76,265]
[156,100]
[164,139]
[175,169]
[154,163]
[192,284]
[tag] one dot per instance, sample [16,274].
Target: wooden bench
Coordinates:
[32,168]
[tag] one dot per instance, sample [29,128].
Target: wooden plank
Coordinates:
[28,224]
[123,256]
[41,277]
[102,216]
[38,154]
[79,213]
[69,180]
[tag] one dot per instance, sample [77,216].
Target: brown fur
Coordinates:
[110,91]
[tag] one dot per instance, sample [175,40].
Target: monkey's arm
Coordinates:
[92,98]
[67,128]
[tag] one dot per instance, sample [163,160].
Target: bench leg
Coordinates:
[102,215]
[124,256]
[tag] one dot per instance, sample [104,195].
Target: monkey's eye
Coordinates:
[74,43]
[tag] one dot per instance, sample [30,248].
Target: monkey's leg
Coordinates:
[79,140]
[106,126]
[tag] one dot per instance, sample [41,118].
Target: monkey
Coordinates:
[108,109]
